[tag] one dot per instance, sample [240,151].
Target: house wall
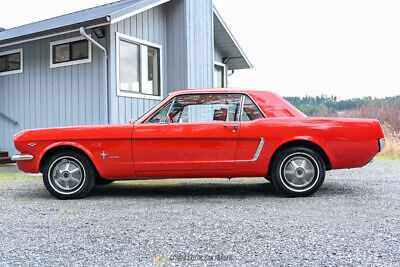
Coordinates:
[184,29]
[190,40]
[149,26]
[42,97]
[177,71]
[218,57]
[200,43]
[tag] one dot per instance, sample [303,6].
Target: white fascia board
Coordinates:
[118,18]
[232,37]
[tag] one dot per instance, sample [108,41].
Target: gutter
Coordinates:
[105,70]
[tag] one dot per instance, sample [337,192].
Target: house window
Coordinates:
[138,68]
[70,52]
[219,75]
[11,62]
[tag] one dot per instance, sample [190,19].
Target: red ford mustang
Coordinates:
[202,133]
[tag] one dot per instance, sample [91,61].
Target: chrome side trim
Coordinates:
[21,157]
[258,151]
[241,108]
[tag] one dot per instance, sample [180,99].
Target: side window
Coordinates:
[250,110]
[205,108]
[161,115]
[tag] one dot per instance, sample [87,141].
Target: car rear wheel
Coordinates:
[69,175]
[298,171]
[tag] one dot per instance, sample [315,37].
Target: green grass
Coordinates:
[18,176]
[394,157]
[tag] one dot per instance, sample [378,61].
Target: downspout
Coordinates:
[105,70]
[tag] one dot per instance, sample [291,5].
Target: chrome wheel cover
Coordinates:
[66,175]
[299,172]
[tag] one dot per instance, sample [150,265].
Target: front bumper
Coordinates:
[21,157]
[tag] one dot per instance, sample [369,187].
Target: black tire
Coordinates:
[80,179]
[300,181]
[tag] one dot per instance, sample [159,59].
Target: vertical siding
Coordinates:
[42,97]
[149,26]
[177,69]
[200,43]
[218,56]
[190,40]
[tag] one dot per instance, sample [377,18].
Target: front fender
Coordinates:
[70,144]
[33,166]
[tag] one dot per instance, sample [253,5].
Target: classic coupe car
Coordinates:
[202,134]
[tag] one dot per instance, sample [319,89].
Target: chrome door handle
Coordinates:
[234,126]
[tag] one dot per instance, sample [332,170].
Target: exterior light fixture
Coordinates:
[100,32]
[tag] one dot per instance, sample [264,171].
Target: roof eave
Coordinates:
[56,31]
[248,64]
[134,10]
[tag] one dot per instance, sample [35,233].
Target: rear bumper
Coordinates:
[382,144]
[21,157]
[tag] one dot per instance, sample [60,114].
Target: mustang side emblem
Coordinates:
[104,155]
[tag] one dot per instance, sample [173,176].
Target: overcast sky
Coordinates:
[347,48]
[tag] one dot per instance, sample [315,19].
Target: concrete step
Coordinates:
[6,160]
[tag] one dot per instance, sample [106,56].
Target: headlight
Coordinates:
[382,144]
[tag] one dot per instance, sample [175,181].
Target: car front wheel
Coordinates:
[298,171]
[68,175]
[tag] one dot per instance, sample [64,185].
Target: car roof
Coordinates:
[218,90]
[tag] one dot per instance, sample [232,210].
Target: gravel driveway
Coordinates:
[353,219]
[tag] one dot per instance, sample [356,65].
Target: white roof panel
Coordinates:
[98,14]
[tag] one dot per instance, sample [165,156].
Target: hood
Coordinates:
[75,133]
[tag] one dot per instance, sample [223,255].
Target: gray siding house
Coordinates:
[110,64]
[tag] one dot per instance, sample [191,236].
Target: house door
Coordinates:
[191,133]
[220,80]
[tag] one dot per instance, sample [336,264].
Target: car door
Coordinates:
[192,132]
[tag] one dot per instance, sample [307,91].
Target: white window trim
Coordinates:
[69,63]
[124,37]
[225,81]
[21,70]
